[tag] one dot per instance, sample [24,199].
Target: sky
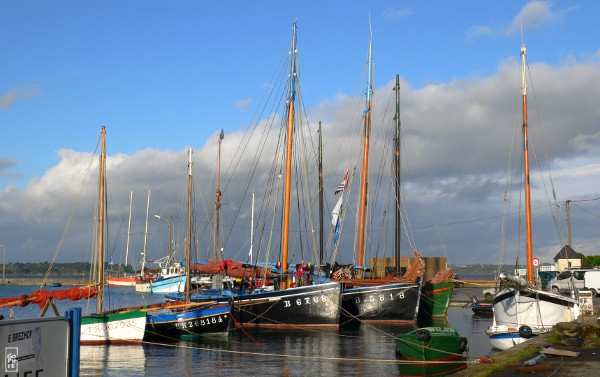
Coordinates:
[167,76]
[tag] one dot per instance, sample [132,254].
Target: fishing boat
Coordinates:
[393,300]
[184,320]
[109,327]
[481,309]
[306,306]
[522,309]
[431,351]
[435,296]
[276,303]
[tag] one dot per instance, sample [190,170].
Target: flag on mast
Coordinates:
[343,184]
[337,210]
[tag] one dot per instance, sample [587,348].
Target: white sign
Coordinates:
[535,262]
[34,347]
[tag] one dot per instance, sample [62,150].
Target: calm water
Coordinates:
[365,351]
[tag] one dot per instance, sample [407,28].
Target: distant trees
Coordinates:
[40,268]
[592,260]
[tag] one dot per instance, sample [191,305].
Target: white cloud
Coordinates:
[395,13]
[479,30]
[534,15]
[242,105]
[456,139]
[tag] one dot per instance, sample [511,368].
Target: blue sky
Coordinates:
[166,75]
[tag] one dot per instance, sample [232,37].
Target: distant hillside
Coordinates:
[478,269]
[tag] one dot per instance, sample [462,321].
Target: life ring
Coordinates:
[464,345]
[525,332]
[423,335]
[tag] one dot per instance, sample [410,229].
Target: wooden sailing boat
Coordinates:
[394,300]
[182,320]
[522,309]
[280,305]
[118,326]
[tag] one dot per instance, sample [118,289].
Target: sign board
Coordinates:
[34,347]
[536,262]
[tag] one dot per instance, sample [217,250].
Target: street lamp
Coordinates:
[4,264]
[169,245]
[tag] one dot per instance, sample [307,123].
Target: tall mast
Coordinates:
[367,129]
[145,234]
[189,235]
[320,195]
[397,171]
[526,166]
[128,227]
[251,230]
[218,201]
[101,210]
[170,232]
[288,169]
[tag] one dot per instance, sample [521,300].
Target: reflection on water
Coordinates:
[362,351]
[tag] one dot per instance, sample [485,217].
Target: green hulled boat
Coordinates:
[432,344]
[435,296]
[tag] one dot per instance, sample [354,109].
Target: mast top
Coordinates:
[190,162]
[293,53]
[523,59]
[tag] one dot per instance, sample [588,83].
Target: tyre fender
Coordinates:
[525,332]
[423,335]
[464,345]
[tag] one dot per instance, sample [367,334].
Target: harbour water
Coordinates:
[363,351]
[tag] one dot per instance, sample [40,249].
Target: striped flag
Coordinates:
[343,184]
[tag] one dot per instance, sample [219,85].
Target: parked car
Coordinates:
[567,280]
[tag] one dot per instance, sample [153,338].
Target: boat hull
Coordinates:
[119,327]
[536,309]
[431,344]
[435,299]
[483,310]
[386,303]
[309,306]
[121,282]
[167,285]
[176,324]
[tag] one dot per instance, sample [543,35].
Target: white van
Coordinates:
[591,281]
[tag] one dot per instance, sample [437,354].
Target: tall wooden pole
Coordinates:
[397,167]
[4,264]
[218,201]
[320,195]
[526,166]
[101,210]
[189,234]
[288,169]
[568,205]
[367,130]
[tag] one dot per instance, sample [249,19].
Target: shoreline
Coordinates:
[38,280]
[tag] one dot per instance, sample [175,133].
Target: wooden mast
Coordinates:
[101,210]
[189,234]
[320,195]
[365,166]
[218,201]
[128,229]
[288,169]
[526,166]
[397,167]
